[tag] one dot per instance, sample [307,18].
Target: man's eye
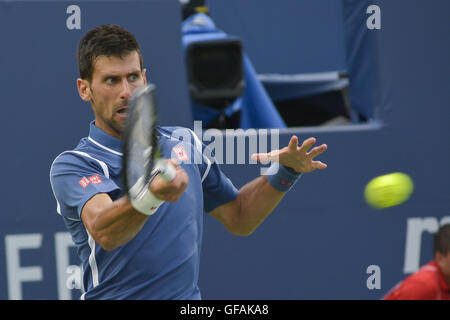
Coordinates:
[110,80]
[133,77]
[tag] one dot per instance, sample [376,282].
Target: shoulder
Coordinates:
[76,160]
[427,274]
[421,285]
[71,155]
[180,134]
[177,133]
[74,157]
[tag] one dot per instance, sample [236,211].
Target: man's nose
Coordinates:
[125,93]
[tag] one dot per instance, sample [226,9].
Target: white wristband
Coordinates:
[146,202]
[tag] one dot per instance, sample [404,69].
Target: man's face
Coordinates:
[113,82]
[443,260]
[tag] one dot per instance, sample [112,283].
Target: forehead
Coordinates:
[114,65]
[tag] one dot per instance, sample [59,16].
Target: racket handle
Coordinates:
[167,170]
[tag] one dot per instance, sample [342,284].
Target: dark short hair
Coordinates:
[441,240]
[106,40]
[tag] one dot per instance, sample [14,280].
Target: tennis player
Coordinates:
[127,253]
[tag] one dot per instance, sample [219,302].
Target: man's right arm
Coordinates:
[114,223]
[111,223]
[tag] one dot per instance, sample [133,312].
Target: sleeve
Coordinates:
[217,188]
[75,179]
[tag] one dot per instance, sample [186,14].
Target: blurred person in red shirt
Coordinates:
[431,281]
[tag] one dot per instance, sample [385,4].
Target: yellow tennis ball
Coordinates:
[388,190]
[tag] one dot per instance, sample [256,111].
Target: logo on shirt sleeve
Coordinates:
[180,153]
[84,182]
[95,179]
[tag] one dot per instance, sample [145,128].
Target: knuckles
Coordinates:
[170,190]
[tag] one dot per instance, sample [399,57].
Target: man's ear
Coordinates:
[144,75]
[84,89]
[441,260]
[439,257]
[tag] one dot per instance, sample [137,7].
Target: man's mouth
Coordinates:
[122,111]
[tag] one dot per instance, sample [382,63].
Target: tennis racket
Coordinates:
[141,155]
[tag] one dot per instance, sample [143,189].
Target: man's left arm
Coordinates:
[258,198]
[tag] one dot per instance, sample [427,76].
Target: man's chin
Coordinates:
[121,116]
[118,126]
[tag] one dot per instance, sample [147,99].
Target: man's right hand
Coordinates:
[170,191]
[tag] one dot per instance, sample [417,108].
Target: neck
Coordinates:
[107,129]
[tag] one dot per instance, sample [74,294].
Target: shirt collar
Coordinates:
[104,140]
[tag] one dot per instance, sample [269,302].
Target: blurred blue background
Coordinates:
[321,239]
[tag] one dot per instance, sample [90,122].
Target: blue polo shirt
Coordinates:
[162,260]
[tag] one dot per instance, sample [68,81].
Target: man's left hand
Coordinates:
[296,157]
